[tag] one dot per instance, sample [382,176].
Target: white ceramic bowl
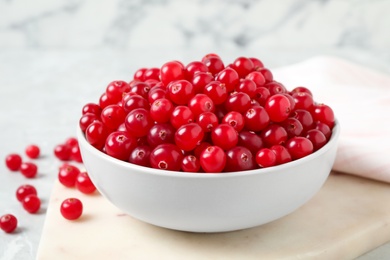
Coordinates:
[209,202]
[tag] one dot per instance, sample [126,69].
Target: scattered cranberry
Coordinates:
[67,175]
[71,208]
[8,223]
[62,152]
[13,162]
[84,183]
[29,169]
[25,190]
[31,203]
[32,151]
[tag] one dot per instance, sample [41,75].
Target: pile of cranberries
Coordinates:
[206,116]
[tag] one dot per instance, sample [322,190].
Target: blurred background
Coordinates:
[355,29]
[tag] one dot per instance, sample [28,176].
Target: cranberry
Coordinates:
[29,169]
[133,102]
[161,134]
[257,78]
[265,157]
[86,120]
[71,208]
[13,162]
[8,223]
[292,126]
[188,136]
[156,93]
[216,91]
[224,136]
[75,154]
[115,90]
[181,115]
[180,91]
[32,151]
[67,175]
[166,157]
[214,64]
[213,159]
[25,190]
[317,138]
[207,121]
[152,74]
[256,119]
[257,64]
[200,80]
[275,88]
[305,118]
[138,122]
[243,66]
[96,135]
[139,74]
[238,101]
[112,116]
[324,128]
[161,110]
[120,144]
[301,89]
[299,147]
[201,103]
[247,86]
[194,67]
[261,95]
[323,113]
[235,119]
[303,100]
[104,101]
[278,107]
[250,140]
[266,73]
[84,183]
[141,88]
[190,164]
[274,134]
[171,71]
[229,77]
[31,203]
[239,158]
[140,155]
[281,153]
[92,108]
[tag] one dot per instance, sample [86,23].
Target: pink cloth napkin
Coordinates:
[360,98]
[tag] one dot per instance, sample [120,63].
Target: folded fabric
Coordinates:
[360,98]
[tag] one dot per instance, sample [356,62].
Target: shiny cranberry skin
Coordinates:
[115,90]
[216,91]
[8,223]
[71,208]
[112,116]
[273,134]
[224,136]
[250,140]
[29,169]
[303,100]
[324,128]
[152,74]
[239,158]
[181,115]
[257,78]
[323,113]
[120,144]
[299,147]
[275,88]
[201,103]
[75,154]
[166,157]
[160,134]
[171,71]
[84,183]
[305,118]
[266,73]
[265,157]
[180,91]
[32,151]
[13,162]
[86,120]
[281,153]
[317,138]
[91,108]
[25,190]
[31,203]
[301,89]
[156,93]
[235,119]
[213,159]
[261,95]
[292,126]
[132,102]
[139,74]
[214,64]
[96,135]
[62,152]
[278,107]
[138,122]
[238,101]
[194,67]
[243,66]
[188,136]
[141,88]
[140,155]
[207,120]
[256,119]
[104,101]
[190,164]
[257,64]
[161,110]
[67,175]
[247,86]
[229,77]
[200,80]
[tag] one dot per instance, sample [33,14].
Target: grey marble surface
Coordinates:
[56,55]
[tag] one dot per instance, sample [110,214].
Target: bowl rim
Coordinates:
[167,173]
